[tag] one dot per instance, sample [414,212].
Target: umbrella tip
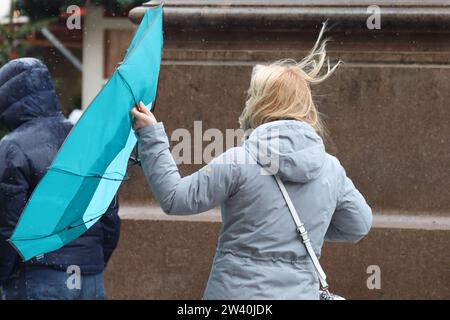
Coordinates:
[152,3]
[138,13]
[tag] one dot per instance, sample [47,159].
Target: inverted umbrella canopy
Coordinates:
[90,166]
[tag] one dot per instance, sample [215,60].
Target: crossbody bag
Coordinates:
[325,294]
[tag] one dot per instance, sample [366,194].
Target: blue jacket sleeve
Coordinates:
[196,193]
[14,193]
[352,218]
[111,229]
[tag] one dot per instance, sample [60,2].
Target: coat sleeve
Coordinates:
[111,229]
[352,218]
[14,193]
[198,192]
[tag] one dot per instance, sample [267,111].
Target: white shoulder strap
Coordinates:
[303,234]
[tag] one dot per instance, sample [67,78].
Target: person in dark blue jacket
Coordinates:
[30,111]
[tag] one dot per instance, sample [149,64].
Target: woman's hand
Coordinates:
[142,117]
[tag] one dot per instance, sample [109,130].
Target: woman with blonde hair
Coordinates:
[258,253]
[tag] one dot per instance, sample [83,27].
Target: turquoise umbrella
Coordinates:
[90,166]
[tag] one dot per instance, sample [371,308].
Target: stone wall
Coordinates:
[386,111]
[162,257]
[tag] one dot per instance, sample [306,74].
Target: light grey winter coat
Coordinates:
[259,255]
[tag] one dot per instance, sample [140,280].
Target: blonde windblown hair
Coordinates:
[281,90]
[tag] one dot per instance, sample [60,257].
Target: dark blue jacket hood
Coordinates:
[26,92]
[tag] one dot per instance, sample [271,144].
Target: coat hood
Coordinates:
[26,92]
[290,148]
